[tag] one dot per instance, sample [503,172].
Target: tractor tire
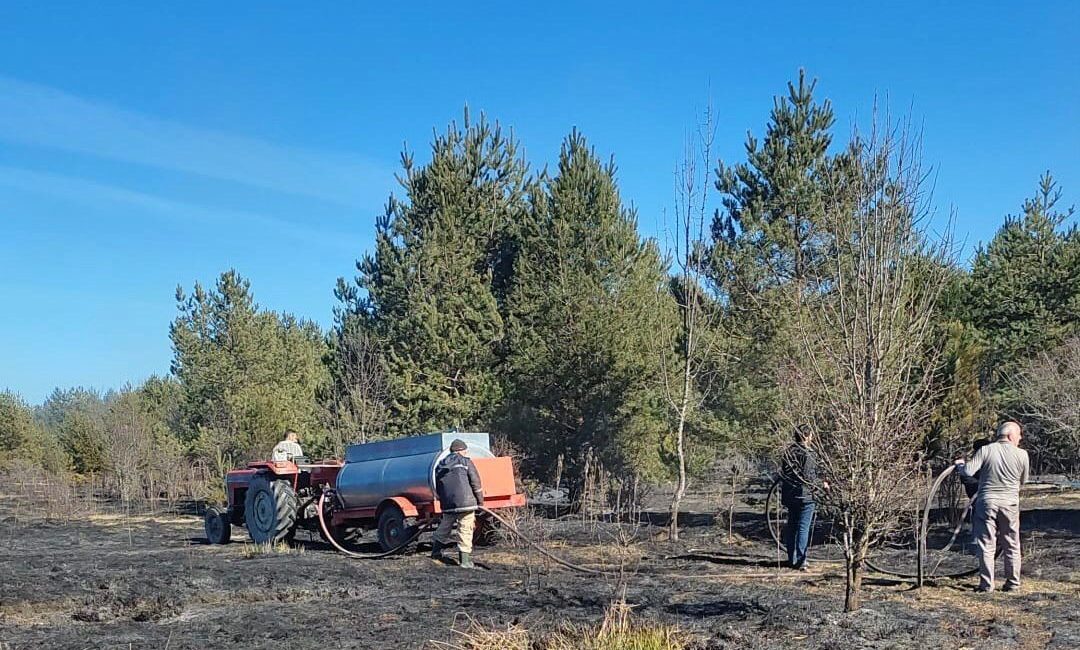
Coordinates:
[217,526]
[393,528]
[270,510]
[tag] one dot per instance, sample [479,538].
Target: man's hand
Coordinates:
[958,462]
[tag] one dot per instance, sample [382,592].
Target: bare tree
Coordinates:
[129,446]
[1048,387]
[689,351]
[864,384]
[356,407]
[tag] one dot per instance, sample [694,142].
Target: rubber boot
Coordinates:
[466,561]
[436,550]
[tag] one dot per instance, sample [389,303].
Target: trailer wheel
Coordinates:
[217,526]
[393,528]
[270,510]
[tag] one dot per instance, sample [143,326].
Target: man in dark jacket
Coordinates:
[458,485]
[798,475]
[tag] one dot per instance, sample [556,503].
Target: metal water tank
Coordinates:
[402,467]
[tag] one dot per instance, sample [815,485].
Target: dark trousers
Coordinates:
[797,532]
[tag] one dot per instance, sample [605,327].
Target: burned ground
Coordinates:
[116,581]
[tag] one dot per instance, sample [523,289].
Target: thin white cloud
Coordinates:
[40,116]
[94,193]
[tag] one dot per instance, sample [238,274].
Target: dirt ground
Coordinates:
[114,581]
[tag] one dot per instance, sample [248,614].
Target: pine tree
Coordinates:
[246,374]
[24,440]
[435,287]
[768,241]
[586,300]
[1023,292]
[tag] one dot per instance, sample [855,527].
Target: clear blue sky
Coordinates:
[142,146]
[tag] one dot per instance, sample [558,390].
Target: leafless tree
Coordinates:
[356,407]
[129,446]
[864,384]
[690,349]
[1048,387]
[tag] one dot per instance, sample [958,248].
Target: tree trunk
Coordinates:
[680,488]
[680,438]
[855,567]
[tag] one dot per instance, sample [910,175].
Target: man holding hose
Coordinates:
[1002,468]
[460,495]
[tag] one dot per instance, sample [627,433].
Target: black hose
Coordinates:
[363,556]
[540,549]
[509,526]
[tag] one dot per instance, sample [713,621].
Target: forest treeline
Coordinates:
[526,302]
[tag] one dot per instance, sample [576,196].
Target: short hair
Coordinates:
[290,432]
[801,434]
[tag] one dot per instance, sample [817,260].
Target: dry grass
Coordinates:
[268,548]
[616,632]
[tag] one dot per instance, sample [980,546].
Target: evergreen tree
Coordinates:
[768,241]
[435,287]
[1023,294]
[586,301]
[76,416]
[24,440]
[246,374]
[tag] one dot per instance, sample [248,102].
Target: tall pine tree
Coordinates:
[767,242]
[1023,293]
[434,289]
[246,374]
[587,298]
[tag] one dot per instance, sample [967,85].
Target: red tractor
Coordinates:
[388,486]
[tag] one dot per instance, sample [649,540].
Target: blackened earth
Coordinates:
[116,581]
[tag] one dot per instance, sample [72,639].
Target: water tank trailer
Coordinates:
[387,485]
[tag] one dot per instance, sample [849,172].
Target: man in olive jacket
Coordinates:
[458,486]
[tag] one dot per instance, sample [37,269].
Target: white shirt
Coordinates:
[287,450]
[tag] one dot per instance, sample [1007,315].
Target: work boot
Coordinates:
[436,550]
[466,561]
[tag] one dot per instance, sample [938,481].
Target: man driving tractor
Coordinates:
[288,449]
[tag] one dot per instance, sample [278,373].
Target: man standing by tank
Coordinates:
[1002,467]
[458,486]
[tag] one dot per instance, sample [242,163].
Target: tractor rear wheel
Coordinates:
[217,526]
[394,530]
[270,510]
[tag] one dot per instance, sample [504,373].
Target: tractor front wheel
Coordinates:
[270,510]
[217,526]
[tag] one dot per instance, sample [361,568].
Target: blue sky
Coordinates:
[144,146]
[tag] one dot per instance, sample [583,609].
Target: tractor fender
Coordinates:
[406,506]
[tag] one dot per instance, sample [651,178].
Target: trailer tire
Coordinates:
[270,510]
[217,526]
[393,528]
